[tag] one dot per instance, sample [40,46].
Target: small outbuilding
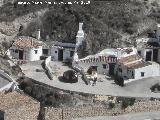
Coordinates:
[134,67]
[149,47]
[26,48]
[62,51]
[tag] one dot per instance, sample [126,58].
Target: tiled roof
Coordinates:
[138,64]
[128,59]
[30,42]
[133,62]
[14,99]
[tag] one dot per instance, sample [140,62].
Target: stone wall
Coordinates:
[24,112]
[18,106]
[69,113]
[146,106]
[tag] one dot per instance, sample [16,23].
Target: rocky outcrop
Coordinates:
[106,24]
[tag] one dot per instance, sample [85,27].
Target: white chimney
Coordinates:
[80,26]
[38,34]
[80,35]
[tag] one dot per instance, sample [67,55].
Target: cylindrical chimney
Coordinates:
[38,34]
[80,26]
[158,30]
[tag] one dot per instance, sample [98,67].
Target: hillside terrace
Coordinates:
[105,85]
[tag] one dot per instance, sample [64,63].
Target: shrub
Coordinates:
[111,105]
[127,102]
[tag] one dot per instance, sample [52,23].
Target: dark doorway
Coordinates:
[91,68]
[1,115]
[148,55]
[155,55]
[94,68]
[111,68]
[45,51]
[21,54]
[60,55]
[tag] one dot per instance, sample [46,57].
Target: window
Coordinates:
[16,51]
[142,74]
[55,51]
[71,53]
[132,74]
[36,51]
[104,66]
[45,51]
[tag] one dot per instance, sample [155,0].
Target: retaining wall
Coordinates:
[69,113]
[47,67]
[12,84]
[6,76]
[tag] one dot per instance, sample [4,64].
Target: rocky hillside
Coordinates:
[110,23]
[8,67]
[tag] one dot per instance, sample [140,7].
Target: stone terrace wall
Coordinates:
[24,112]
[68,113]
[143,107]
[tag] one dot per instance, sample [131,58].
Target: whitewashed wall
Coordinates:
[66,54]
[48,68]
[149,71]
[33,56]
[125,74]
[53,54]
[99,65]
[143,53]
[28,54]
[159,55]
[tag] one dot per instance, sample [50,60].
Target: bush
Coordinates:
[111,105]
[127,102]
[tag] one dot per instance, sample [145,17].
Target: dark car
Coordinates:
[70,76]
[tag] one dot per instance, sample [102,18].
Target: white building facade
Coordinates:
[26,48]
[149,47]
[134,67]
[62,51]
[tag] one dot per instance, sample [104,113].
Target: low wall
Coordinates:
[6,76]
[12,84]
[69,113]
[81,71]
[47,67]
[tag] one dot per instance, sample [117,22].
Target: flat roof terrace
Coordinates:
[104,86]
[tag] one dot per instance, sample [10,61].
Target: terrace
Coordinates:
[105,85]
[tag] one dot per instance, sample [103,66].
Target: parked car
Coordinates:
[70,76]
